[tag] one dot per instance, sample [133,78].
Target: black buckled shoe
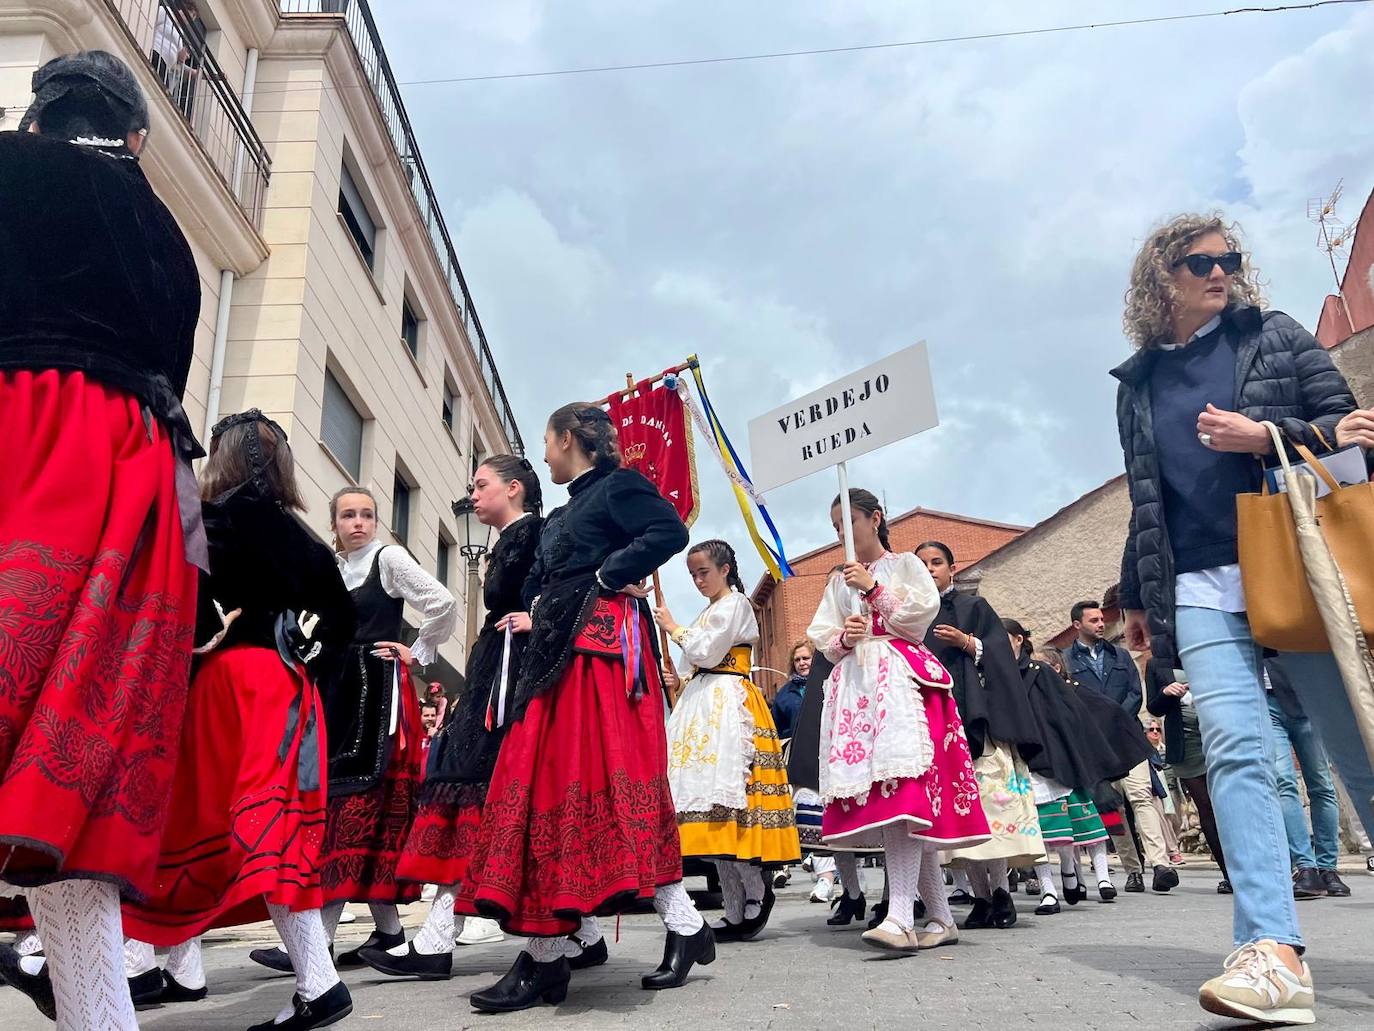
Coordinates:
[847,910]
[438,967]
[174,991]
[727,931]
[960,898]
[273,959]
[751,929]
[1003,909]
[1106,891]
[526,984]
[1166,877]
[590,956]
[1335,887]
[680,953]
[878,914]
[376,940]
[1049,905]
[980,916]
[146,989]
[1135,883]
[38,987]
[329,1008]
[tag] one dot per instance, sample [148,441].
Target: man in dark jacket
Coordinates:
[1096,664]
[787,705]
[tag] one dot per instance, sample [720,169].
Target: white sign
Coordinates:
[885,402]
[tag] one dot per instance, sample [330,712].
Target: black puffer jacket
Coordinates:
[1283,376]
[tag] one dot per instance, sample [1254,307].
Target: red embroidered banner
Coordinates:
[655,438]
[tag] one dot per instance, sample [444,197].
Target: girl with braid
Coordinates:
[725,764]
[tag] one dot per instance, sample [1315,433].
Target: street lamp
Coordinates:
[475,534]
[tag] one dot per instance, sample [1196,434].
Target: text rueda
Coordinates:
[858,413]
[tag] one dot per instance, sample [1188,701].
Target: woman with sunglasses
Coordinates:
[1211,365]
[505,494]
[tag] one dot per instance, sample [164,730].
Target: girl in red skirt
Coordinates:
[99,299]
[579,819]
[249,790]
[505,494]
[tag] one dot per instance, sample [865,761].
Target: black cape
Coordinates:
[992,700]
[1088,737]
[804,755]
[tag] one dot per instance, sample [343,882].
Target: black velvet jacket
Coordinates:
[804,753]
[615,530]
[95,274]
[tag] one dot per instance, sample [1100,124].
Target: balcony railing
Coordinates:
[367,43]
[173,44]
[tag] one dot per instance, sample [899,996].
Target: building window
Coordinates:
[356,217]
[479,453]
[442,561]
[400,508]
[341,427]
[450,405]
[410,329]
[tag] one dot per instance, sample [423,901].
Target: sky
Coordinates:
[791,220]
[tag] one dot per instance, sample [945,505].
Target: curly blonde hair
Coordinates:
[1150,296]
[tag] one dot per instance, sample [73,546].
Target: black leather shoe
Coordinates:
[146,989]
[680,953]
[1135,882]
[590,956]
[38,987]
[376,940]
[1335,887]
[273,959]
[749,929]
[847,910]
[878,914]
[1003,909]
[1308,883]
[960,898]
[438,967]
[1049,905]
[1071,894]
[329,1008]
[1224,887]
[979,916]
[1166,877]
[1106,891]
[526,984]
[727,932]
[174,991]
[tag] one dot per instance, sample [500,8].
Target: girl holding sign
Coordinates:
[895,768]
[725,762]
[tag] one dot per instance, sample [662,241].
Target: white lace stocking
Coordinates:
[304,938]
[1045,872]
[436,935]
[1068,870]
[83,937]
[752,876]
[676,909]
[1100,868]
[848,865]
[545,950]
[931,886]
[329,916]
[28,943]
[978,879]
[903,858]
[139,957]
[731,892]
[186,964]
[960,877]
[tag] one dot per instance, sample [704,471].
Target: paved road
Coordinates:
[1137,963]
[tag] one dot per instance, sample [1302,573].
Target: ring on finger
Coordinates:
[1205,438]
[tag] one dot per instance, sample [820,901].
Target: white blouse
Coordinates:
[402,577]
[723,624]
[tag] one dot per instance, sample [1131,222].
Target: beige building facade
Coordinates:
[332,297]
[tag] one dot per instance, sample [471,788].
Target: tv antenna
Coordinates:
[1332,234]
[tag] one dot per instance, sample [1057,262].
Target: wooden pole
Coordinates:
[658,584]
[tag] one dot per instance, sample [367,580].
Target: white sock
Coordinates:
[437,934]
[186,964]
[1066,867]
[32,965]
[752,876]
[304,938]
[731,893]
[1045,873]
[28,943]
[903,857]
[545,950]
[139,957]
[329,916]
[1100,869]
[931,886]
[83,937]
[676,909]
[960,877]
[848,865]
[385,918]
[822,865]
[590,931]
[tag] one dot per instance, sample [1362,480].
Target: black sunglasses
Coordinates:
[1201,265]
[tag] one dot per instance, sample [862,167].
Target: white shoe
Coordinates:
[480,931]
[428,892]
[1258,986]
[347,918]
[821,892]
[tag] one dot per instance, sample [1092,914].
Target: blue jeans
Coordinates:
[1296,733]
[1318,684]
[1222,663]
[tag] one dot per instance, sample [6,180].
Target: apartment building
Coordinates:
[332,295]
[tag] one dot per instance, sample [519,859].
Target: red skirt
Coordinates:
[365,832]
[579,819]
[15,915]
[97,606]
[441,840]
[247,804]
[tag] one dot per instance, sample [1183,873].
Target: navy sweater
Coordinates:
[1199,485]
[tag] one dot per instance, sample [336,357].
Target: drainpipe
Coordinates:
[226,276]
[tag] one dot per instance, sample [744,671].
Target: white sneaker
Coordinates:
[480,931]
[1257,985]
[821,892]
[347,918]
